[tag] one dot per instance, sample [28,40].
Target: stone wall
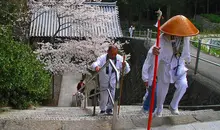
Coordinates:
[56,81]
[57,86]
[133,87]
[201,91]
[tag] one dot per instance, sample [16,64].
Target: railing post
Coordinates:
[85,101]
[95,99]
[148,31]
[197,57]
[210,46]
[76,100]
[150,36]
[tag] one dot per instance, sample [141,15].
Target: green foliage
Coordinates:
[212,17]
[197,24]
[8,9]
[213,31]
[212,51]
[23,81]
[215,52]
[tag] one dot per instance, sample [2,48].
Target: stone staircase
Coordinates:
[74,118]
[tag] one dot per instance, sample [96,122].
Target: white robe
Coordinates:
[105,78]
[166,72]
[167,62]
[108,81]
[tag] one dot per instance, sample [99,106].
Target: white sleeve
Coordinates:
[187,49]
[98,62]
[127,67]
[147,64]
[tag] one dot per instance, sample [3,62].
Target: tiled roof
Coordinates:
[45,25]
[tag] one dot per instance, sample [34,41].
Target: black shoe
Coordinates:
[109,111]
[102,112]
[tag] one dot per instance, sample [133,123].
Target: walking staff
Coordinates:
[155,70]
[121,84]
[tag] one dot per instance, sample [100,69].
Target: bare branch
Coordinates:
[65,27]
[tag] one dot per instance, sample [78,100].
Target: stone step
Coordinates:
[68,118]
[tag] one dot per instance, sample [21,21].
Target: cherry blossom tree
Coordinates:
[75,55]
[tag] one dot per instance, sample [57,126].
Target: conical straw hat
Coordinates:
[179,25]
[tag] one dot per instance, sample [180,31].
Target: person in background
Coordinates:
[80,85]
[131,29]
[80,94]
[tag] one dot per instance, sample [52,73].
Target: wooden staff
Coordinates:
[121,83]
[155,71]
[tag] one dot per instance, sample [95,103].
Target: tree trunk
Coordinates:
[52,86]
[168,11]
[148,14]
[207,11]
[130,20]
[139,18]
[195,9]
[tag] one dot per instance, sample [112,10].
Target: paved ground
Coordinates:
[68,87]
[214,125]
[72,118]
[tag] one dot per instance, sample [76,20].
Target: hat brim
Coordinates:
[179,26]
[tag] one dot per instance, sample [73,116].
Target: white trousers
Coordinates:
[162,89]
[131,34]
[105,101]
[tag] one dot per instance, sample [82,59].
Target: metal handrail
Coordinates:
[84,85]
[206,44]
[97,93]
[117,74]
[198,54]
[94,75]
[202,59]
[211,45]
[210,36]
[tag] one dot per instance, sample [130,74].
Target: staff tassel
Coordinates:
[155,71]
